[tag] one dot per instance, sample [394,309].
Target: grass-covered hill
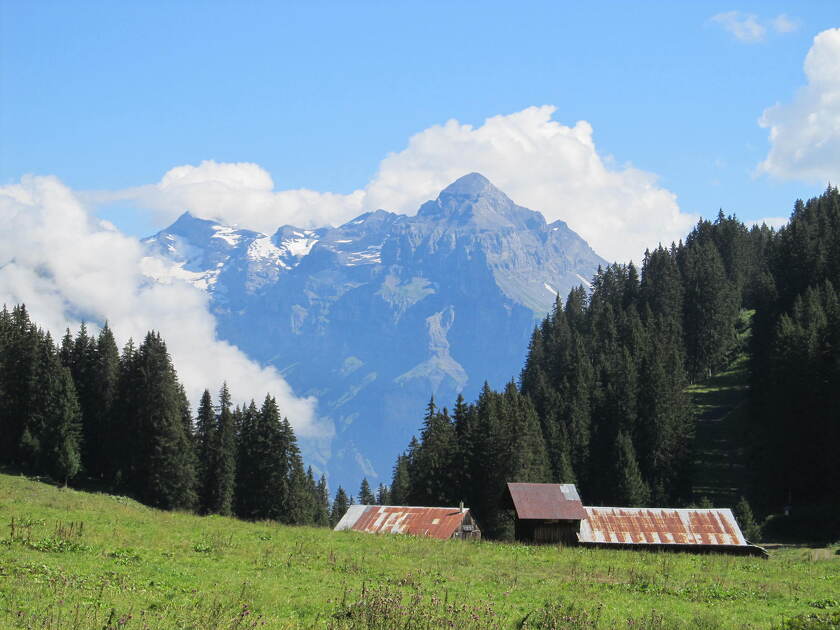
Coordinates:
[70,559]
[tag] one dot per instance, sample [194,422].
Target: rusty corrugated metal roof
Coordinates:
[546,501]
[660,526]
[394,519]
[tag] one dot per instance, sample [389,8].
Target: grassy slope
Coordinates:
[722,403]
[172,570]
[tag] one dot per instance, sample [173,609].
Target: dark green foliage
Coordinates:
[746,519]
[160,468]
[204,438]
[400,482]
[710,309]
[39,408]
[383,495]
[220,475]
[339,506]
[365,495]
[432,464]
[630,489]
[321,516]
[796,366]
[126,422]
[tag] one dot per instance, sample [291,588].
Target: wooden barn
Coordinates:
[545,512]
[553,513]
[436,522]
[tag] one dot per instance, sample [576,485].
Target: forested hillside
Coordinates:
[84,413]
[602,402]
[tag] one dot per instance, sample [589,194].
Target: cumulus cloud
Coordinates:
[239,193]
[744,27]
[537,161]
[67,267]
[543,165]
[805,134]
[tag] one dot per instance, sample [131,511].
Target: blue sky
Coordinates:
[109,95]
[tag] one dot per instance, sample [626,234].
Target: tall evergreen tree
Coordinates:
[221,474]
[204,438]
[161,473]
[365,495]
[339,506]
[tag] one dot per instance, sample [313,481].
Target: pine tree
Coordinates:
[365,495]
[630,488]
[299,508]
[749,527]
[383,495]
[56,419]
[102,396]
[162,473]
[322,504]
[400,482]
[204,439]
[221,475]
[339,506]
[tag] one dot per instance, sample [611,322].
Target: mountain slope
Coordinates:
[375,316]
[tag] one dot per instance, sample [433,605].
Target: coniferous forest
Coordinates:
[601,401]
[82,412]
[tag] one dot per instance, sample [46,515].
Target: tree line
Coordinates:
[601,400]
[83,411]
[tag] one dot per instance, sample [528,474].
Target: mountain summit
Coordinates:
[375,316]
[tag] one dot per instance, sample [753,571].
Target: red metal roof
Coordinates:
[546,501]
[660,526]
[391,519]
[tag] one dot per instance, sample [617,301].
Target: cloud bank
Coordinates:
[537,161]
[67,267]
[805,134]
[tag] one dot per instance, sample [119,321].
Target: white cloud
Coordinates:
[744,27]
[65,267]
[805,134]
[237,193]
[750,29]
[537,161]
[543,165]
[783,23]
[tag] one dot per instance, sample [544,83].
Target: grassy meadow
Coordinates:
[70,559]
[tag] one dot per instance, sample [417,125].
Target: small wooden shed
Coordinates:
[546,513]
[435,522]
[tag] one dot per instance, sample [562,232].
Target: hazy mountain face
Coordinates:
[377,315]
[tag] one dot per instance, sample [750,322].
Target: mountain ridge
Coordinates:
[376,315]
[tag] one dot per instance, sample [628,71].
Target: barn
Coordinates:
[545,512]
[553,513]
[435,522]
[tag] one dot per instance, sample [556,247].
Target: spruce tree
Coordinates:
[630,489]
[163,473]
[322,504]
[205,441]
[365,495]
[221,475]
[339,506]
[400,482]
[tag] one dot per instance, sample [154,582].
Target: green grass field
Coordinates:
[70,559]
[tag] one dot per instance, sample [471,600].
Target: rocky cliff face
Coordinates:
[377,315]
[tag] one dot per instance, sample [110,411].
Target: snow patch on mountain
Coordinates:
[228,234]
[300,246]
[164,272]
